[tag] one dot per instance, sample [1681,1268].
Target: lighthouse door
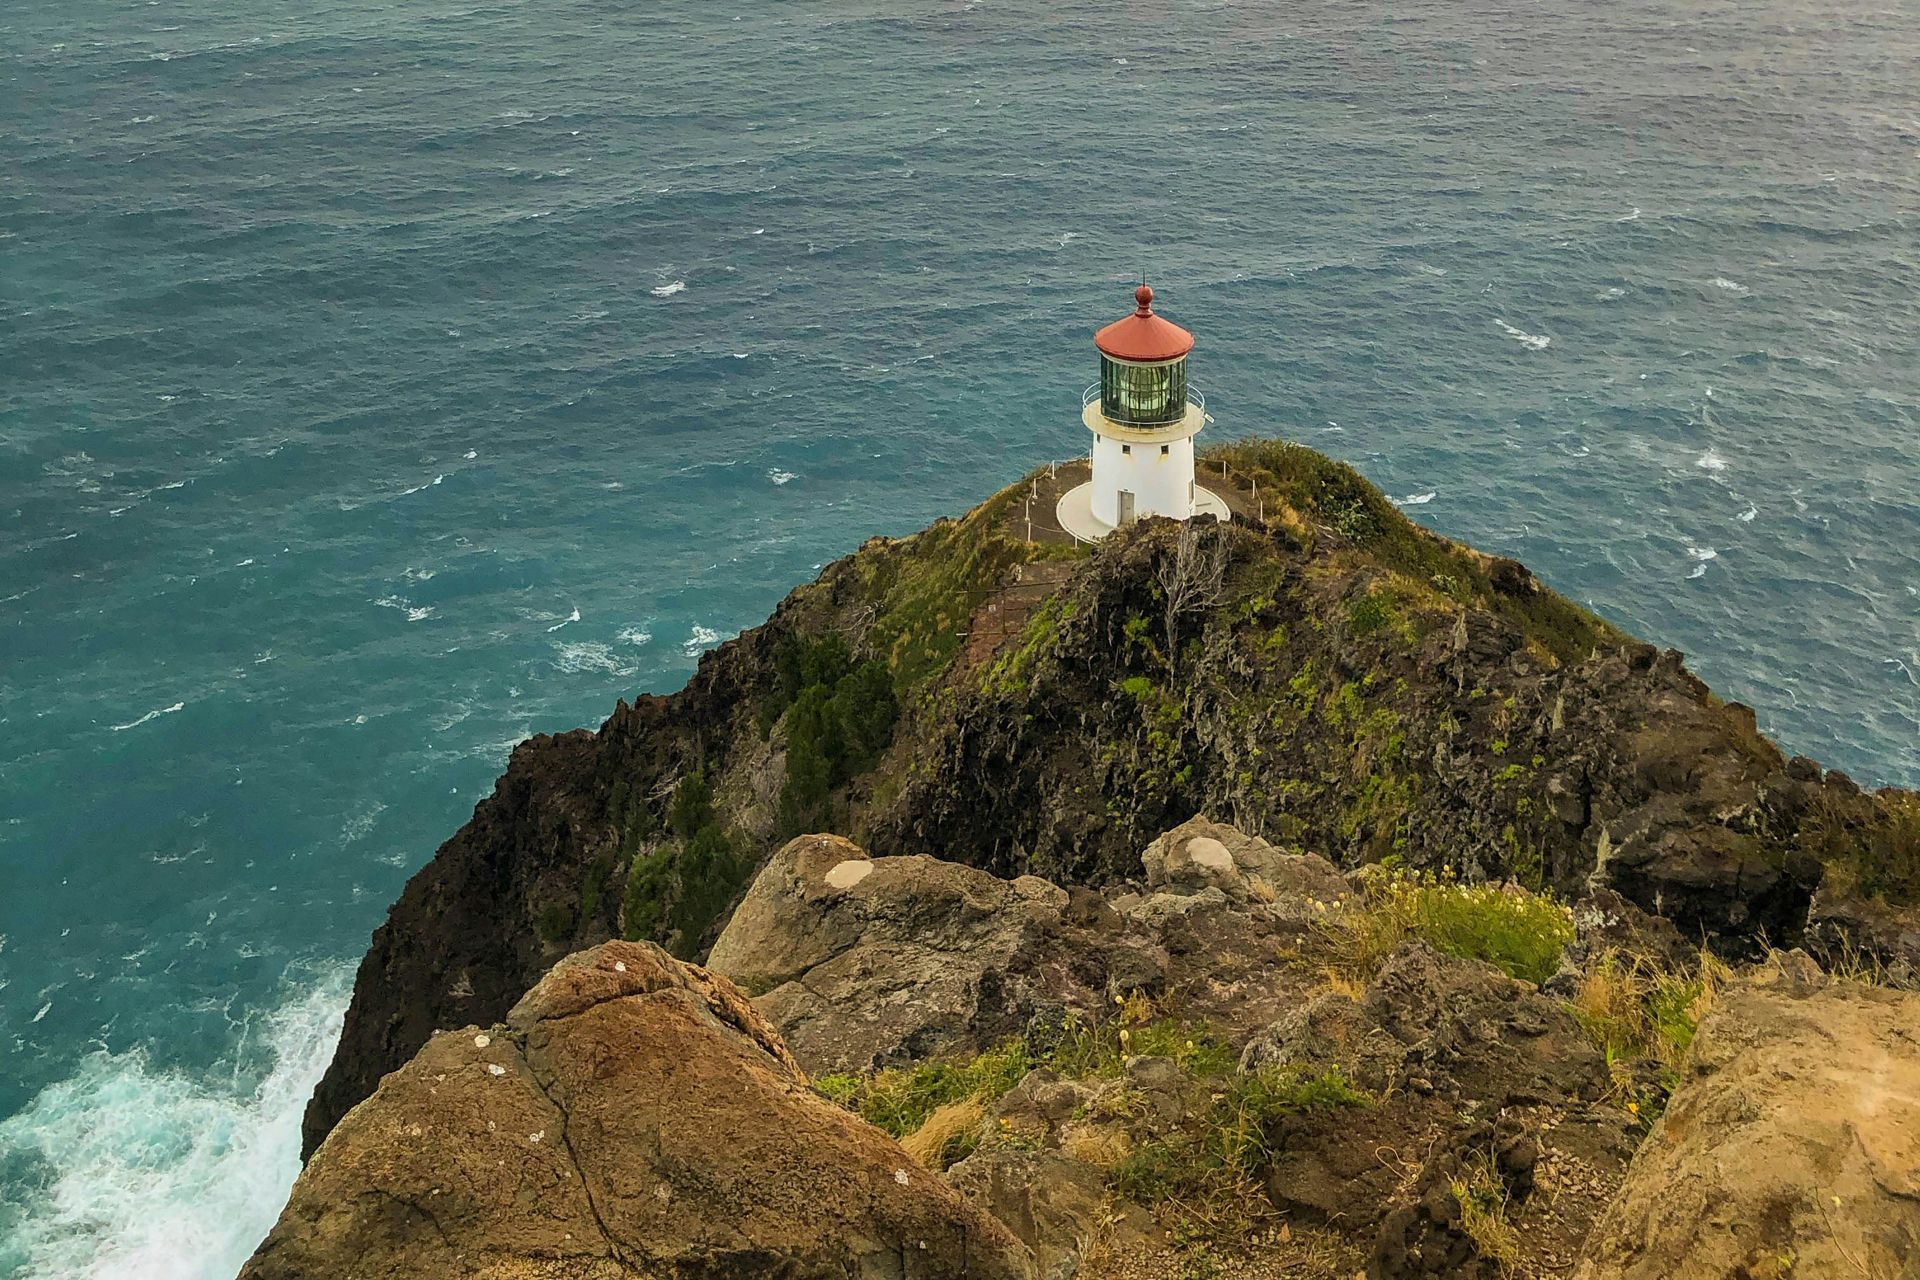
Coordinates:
[1126,506]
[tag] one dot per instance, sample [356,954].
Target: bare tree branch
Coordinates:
[1192,579]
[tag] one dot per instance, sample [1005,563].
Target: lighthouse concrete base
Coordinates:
[1074,511]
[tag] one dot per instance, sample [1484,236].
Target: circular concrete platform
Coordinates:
[1074,511]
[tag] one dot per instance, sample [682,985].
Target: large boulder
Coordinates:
[1790,1147]
[860,961]
[633,1117]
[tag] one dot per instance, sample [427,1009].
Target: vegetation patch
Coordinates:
[1636,1011]
[1209,1174]
[1885,860]
[1520,933]
[1310,492]
[926,588]
[900,1099]
[840,717]
[676,893]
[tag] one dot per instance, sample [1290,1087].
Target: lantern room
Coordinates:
[1143,366]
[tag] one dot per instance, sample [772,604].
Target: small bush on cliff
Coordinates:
[1518,932]
[1887,858]
[1635,1009]
[675,894]
[1483,1213]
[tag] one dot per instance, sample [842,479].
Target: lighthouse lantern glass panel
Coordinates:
[1143,393]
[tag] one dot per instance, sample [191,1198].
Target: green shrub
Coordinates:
[1368,614]
[1483,1213]
[1633,1008]
[1212,1173]
[813,743]
[691,807]
[649,878]
[594,886]
[1241,1126]
[801,661]
[674,895]
[1887,855]
[555,924]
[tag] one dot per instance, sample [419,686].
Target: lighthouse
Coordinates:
[1143,417]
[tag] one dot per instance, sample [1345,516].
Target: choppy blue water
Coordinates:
[380,383]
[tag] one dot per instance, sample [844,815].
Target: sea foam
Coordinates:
[136,1171]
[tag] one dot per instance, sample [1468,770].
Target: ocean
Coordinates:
[380,384]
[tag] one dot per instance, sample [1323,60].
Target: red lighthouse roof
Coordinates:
[1143,335]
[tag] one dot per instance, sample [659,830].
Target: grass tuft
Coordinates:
[1483,1214]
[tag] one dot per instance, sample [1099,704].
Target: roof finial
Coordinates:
[1144,296]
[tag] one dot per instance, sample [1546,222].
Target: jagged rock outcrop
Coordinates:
[860,961]
[1436,1023]
[633,1117]
[1791,1146]
[1353,685]
[1217,1041]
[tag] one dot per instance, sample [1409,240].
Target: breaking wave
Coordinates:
[125,1169]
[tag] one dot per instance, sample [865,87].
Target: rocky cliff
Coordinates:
[1321,671]
[1244,1062]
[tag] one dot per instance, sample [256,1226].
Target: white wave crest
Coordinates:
[161,1175]
[702,639]
[1532,341]
[782,477]
[590,655]
[1710,461]
[151,715]
[635,636]
[668,290]
[1416,499]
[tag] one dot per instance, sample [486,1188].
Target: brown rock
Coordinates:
[862,960]
[1051,1203]
[634,1117]
[1792,1145]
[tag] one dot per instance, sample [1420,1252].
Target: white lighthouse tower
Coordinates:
[1143,417]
